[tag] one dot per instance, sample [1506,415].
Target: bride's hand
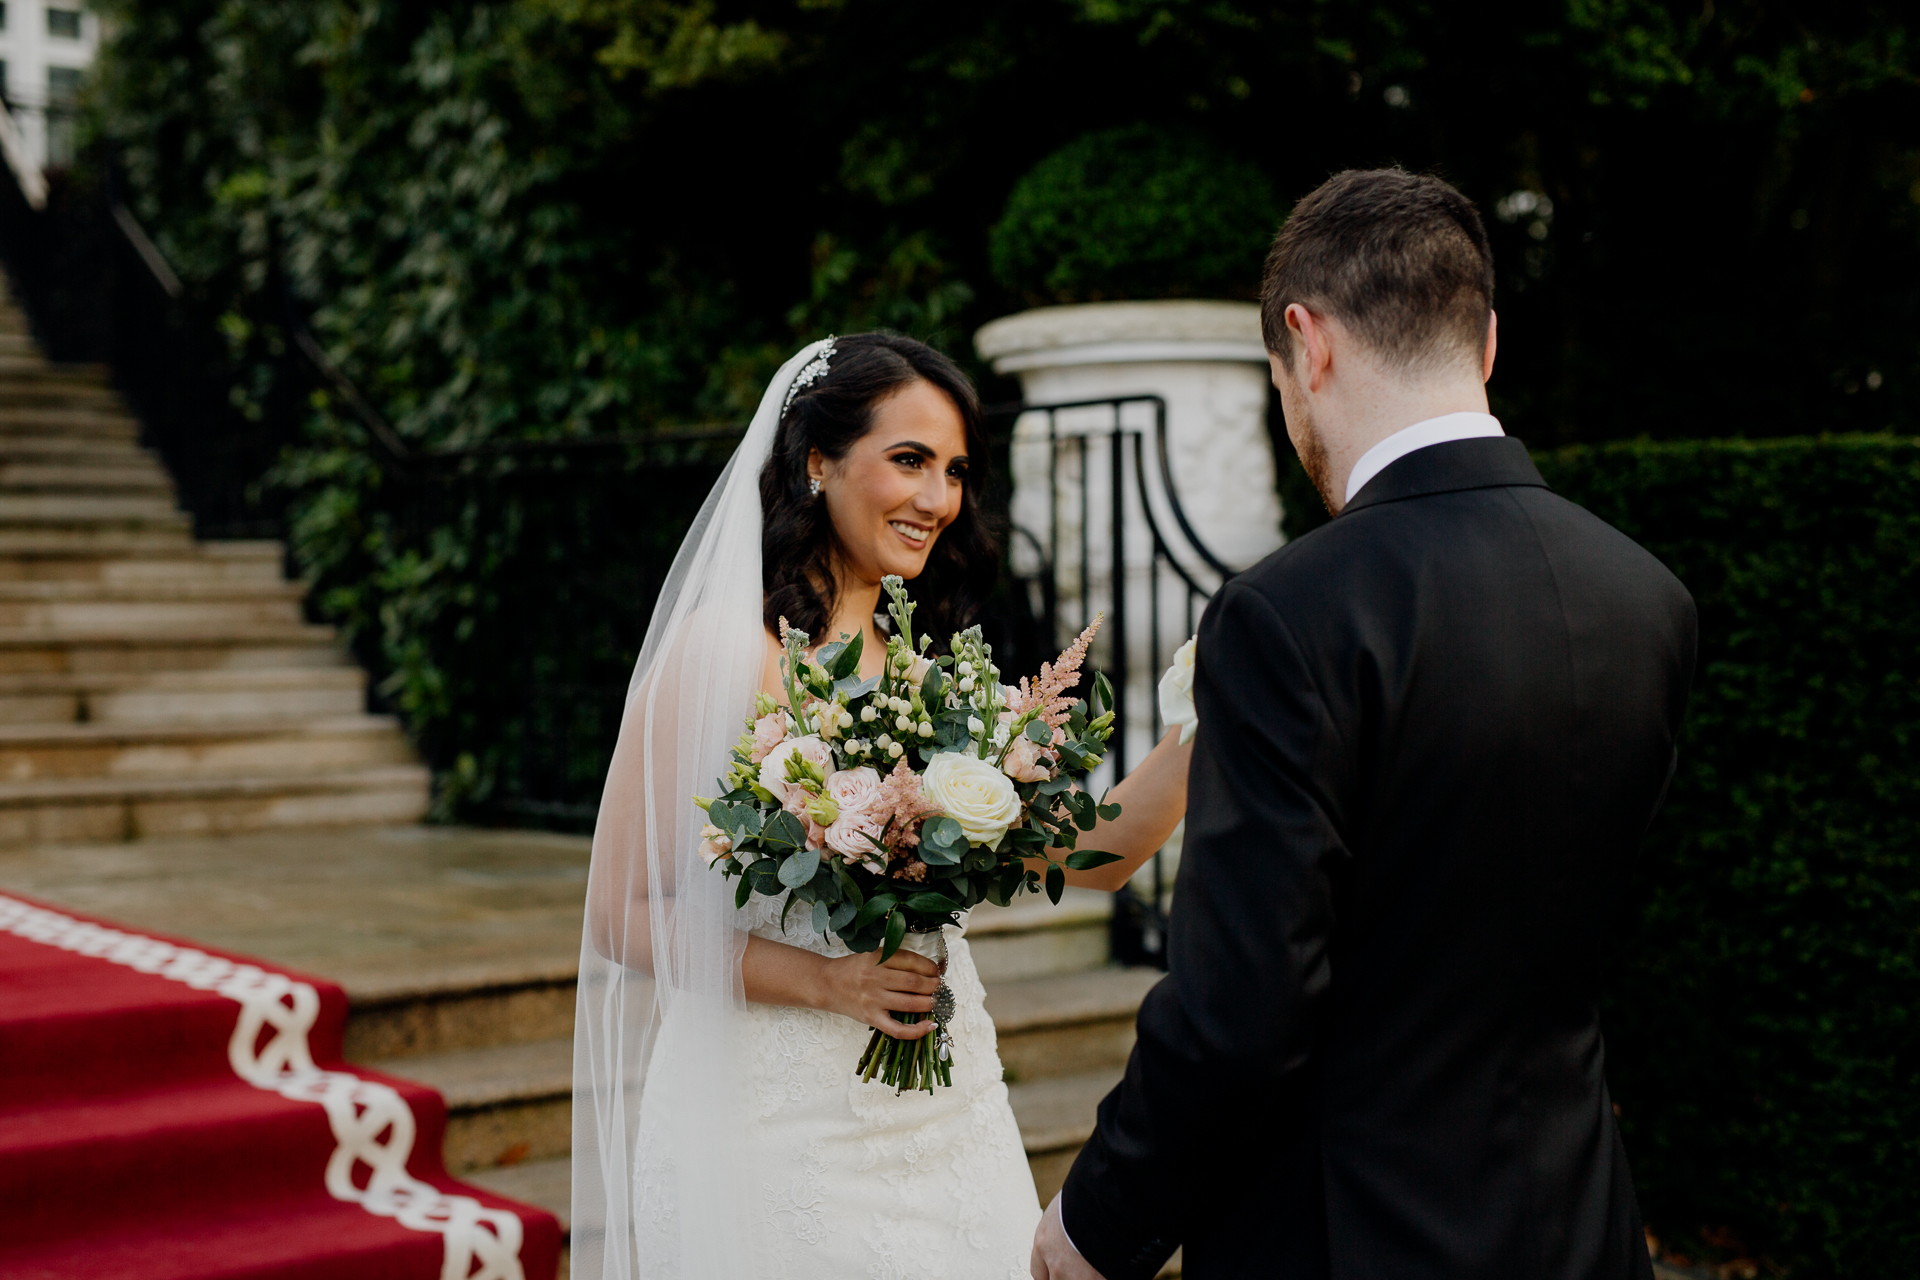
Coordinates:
[861,988]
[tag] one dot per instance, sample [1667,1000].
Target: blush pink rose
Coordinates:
[773,769]
[1024,763]
[769,731]
[863,810]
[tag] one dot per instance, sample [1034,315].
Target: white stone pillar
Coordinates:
[1206,361]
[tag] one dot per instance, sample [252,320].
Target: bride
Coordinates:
[719,1129]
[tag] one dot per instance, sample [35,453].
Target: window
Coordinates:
[64,23]
[63,85]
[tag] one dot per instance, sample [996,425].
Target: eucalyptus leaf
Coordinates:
[1107,812]
[1039,731]
[821,915]
[1054,786]
[741,894]
[1056,882]
[784,829]
[939,855]
[933,904]
[847,660]
[943,831]
[931,686]
[799,868]
[841,914]
[791,899]
[1088,859]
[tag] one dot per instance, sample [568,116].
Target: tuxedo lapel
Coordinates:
[1486,463]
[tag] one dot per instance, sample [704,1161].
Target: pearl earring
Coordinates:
[813,487]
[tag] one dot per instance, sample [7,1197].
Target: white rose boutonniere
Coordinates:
[974,793]
[1176,693]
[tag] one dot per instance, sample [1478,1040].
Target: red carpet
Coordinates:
[172,1113]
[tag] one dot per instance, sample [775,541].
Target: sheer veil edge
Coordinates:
[659,955]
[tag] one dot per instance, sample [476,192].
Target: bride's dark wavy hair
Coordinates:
[798,541]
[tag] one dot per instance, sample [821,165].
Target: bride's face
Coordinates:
[898,486]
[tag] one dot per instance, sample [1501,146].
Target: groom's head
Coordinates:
[1377,302]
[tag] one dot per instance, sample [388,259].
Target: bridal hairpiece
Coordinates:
[815,370]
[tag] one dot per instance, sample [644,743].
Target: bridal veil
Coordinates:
[660,948]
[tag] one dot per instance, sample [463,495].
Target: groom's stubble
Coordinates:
[1306,438]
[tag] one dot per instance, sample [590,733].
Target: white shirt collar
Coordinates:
[1448,426]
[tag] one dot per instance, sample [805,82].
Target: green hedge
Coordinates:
[1763,1017]
[1137,212]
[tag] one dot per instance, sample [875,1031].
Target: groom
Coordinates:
[1431,734]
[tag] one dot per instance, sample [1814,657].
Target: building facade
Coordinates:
[46,47]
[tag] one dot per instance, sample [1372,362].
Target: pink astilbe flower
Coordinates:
[902,799]
[1048,693]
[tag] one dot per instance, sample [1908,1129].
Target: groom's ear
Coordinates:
[1493,334]
[1310,352]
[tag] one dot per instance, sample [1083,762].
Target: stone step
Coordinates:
[180,563]
[1068,1023]
[505,1104]
[57,393]
[1034,938]
[131,474]
[86,810]
[174,538]
[24,649]
[259,605]
[1056,1118]
[17,368]
[183,697]
[66,449]
[90,422]
[123,752]
[57,509]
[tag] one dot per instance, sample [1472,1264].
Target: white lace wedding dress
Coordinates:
[850,1179]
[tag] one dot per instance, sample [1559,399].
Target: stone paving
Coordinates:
[382,911]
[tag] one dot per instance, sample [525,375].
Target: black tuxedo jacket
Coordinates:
[1431,733]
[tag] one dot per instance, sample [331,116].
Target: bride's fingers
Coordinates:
[901,1030]
[905,1002]
[916,983]
[909,962]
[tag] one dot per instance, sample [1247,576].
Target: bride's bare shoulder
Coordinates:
[770,668]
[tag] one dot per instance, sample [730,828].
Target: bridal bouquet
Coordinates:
[891,805]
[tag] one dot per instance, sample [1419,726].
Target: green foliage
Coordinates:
[1763,1022]
[1136,212]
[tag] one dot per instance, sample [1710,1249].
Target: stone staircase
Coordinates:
[500,1047]
[151,684]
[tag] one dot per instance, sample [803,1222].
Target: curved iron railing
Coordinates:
[1139,929]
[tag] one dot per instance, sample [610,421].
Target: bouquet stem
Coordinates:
[908,1064]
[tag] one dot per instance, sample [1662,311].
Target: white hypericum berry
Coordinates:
[894,750]
[868,715]
[926,729]
[846,718]
[902,723]
[884,741]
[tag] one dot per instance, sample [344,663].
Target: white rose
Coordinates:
[1176,693]
[974,793]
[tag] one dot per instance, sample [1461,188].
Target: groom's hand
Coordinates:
[1054,1257]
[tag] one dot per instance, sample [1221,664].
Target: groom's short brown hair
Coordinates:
[1399,258]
